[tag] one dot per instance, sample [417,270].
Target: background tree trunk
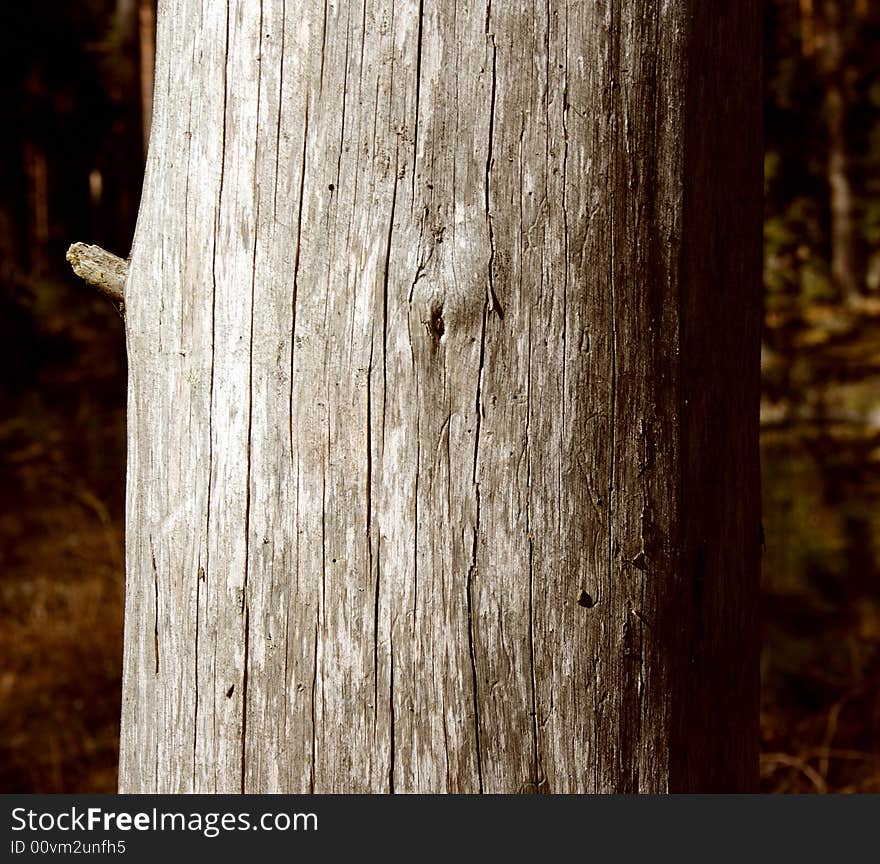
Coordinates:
[844,269]
[443,451]
[146,62]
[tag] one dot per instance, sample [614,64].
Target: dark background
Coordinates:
[71,78]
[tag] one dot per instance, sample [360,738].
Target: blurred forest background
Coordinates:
[73,76]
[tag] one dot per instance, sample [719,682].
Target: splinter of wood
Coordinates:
[99,268]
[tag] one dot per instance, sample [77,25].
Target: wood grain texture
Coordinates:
[443,340]
[100,269]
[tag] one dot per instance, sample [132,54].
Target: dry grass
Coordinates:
[836,749]
[61,600]
[61,568]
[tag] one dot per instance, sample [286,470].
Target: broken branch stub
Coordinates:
[99,268]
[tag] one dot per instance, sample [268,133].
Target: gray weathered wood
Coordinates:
[443,337]
[101,269]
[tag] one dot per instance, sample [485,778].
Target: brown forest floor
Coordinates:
[61,566]
[62,462]
[820,577]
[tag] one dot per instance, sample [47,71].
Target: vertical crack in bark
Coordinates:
[418,92]
[345,77]
[314,718]
[376,631]
[293,597]
[245,599]
[533,680]
[416,526]
[320,622]
[369,536]
[385,292]
[491,305]
[565,275]
[200,575]
[472,571]
[155,606]
[291,383]
[324,469]
[280,104]
[611,264]
[421,267]
[186,187]
[446,749]
[199,571]
[627,748]
[296,255]
[642,629]
[385,278]
[491,298]
[471,649]
[287,683]
[214,239]
[363,36]
[247,625]
[323,49]
[391,726]
[535,748]
[214,716]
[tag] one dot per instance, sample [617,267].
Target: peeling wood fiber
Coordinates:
[443,347]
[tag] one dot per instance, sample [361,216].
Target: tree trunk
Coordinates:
[36,169]
[443,338]
[844,273]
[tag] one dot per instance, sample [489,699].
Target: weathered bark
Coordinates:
[100,269]
[443,337]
